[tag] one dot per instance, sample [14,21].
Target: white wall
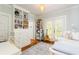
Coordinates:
[72,17]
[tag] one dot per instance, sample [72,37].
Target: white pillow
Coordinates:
[75,35]
[67,35]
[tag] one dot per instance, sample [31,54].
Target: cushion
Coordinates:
[75,36]
[67,35]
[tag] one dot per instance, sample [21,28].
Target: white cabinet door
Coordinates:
[22,37]
[4,26]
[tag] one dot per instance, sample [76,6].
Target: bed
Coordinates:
[7,48]
[66,46]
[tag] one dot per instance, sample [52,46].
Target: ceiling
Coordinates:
[34,8]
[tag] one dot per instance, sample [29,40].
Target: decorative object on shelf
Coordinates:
[18,18]
[25,20]
[16,13]
[21,19]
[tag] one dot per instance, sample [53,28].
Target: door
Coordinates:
[4,26]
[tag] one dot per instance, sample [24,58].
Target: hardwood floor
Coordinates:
[48,41]
[33,42]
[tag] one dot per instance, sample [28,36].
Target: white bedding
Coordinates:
[6,48]
[70,47]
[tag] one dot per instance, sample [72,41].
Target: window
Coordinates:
[60,26]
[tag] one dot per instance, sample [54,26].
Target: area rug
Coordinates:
[38,49]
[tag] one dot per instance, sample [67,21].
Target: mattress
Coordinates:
[69,47]
[6,48]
